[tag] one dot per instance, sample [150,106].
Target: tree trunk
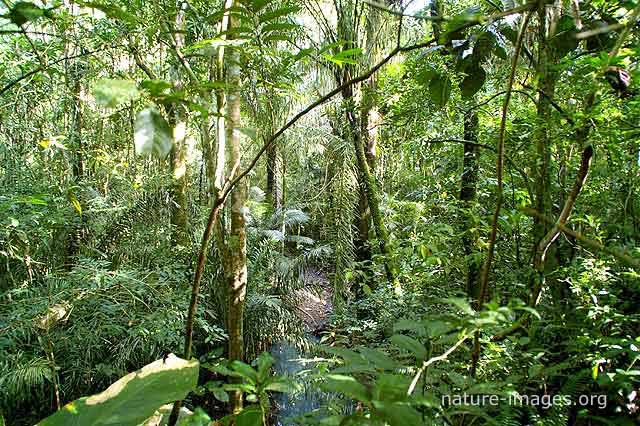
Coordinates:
[236,263]
[542,180]
[275,194]
[546,242]
[468,195]
[354,132]
[77,228]
[369,184]
[76,119]
[546,89]
[178,119]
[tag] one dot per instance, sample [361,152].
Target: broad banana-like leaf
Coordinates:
[132,399]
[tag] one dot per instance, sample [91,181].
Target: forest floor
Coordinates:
[315,301]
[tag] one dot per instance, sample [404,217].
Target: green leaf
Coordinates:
[455,26]
[460,303]
[473,82]
[425,76]
[280,385]
[23,12]
[276,37]
[245,371]
[437,328]
[440,90]
[410,325]
[284,11]
[366,289]
[392,387]
[397,414]
[111,93]
[249,132]
[152,135]
[348,355]
[34,201]
[410,344]
[198,418]
[210,46]
[563,43]
[484,46]
[250,416]
[279,27]
[378,358]
[257,5]
[220,395]
[133,398]
[111,9]
[509,33]
[157,88]
[264,363]
[346,385]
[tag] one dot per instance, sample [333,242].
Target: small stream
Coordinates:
[288,363]
[314,310]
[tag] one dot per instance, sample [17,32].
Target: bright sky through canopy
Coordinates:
[416,6]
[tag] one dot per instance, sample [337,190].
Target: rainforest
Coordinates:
[319,212]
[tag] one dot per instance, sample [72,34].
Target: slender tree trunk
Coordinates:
[546,84]
[77,228]
[178,118]
[468,195]
[275,193]
[370,186]
[236,263]
[369,133]
[546,243]
[76,119]
[354,124]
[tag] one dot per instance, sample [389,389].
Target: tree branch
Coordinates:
[46,67]
[486,267]
[521,172]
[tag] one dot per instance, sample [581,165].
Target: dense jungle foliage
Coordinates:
[394,212]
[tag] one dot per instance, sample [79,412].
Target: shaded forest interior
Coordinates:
[319,212]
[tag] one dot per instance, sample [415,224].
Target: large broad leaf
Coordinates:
[132,399]
[483,46]
[346,385]
[564,41]
[455,26]
[23,12]
[391,387]
[473,82]
[411,345]
[425,76]
[245,371]
[439,90]
[278,13]
[153,135]
[378,358]
[264,363]
[111,93]
[396,413]
[250,416]
[110,8]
